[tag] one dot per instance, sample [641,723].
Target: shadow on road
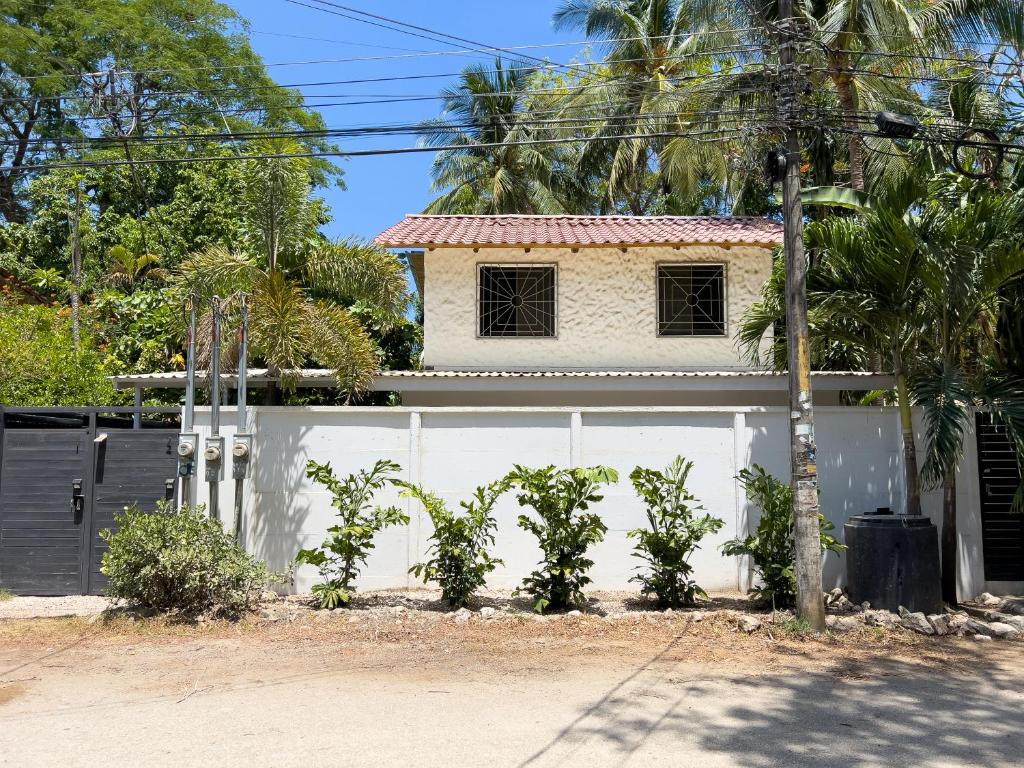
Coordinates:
[877,712]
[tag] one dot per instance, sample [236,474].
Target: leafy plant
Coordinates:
[180,560]
[459,560]
[38,363]
[349,543]
[796,626]
[560,498]
[5,595]
[771,547]
[675,532]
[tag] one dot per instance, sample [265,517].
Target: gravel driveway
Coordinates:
[392,690]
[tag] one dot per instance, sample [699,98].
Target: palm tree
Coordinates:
[866,291]
[488,170]
[652,61]
[974,249]
[127,270]
[300,285]
[915,281]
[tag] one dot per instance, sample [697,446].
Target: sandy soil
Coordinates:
[389,686]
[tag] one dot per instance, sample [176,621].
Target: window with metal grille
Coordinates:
[691,300]
[516,300]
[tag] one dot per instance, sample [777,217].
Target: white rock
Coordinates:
[983,638]
[940,623]
[978,627]
[748,624]
[842,623]
[1013,621]
[697,616]
[842,604]
[881,618]
[866,605]
[487,611]
[917,622]
[669,611]
[462,615]
[1004,631]
[957,621]
[986,598]
[833,596]
[574,613]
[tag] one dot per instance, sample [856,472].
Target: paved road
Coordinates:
[288,703]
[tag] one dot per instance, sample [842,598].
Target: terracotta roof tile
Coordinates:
[420,230]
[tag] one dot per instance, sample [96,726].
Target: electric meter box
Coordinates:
[188,445]
[241,455]
[213,457]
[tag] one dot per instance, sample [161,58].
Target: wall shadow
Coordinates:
[882,711]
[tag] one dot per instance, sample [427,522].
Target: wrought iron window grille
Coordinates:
[691,300]
[516,300]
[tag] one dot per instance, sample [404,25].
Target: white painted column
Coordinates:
[740,449]
[575,439]
[413,507]
[970,558]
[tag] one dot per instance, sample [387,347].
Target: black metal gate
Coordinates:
[64,473]
[1002,529]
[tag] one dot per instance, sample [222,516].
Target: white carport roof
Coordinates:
[547,381]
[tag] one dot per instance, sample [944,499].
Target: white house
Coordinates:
[590,310]
[582,340]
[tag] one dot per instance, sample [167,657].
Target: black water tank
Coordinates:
[893,560]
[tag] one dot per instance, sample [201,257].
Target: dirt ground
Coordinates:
[387,685]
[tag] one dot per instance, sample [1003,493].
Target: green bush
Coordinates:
[5,595]
[675,532]
[772,547]
[560,498]
[349,543]
[38,364]
[459,561]
[180,560]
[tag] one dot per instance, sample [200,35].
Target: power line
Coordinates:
[526,120]
[722,134]
[393,78]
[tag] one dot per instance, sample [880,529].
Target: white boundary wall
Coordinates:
[452,450]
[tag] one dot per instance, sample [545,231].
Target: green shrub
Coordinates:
[559,498]
[349,543]
[179,560]
[458,558]
[5,595]
[771,547]
[38,363]
[675,532]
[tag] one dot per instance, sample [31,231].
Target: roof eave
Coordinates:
[690,244]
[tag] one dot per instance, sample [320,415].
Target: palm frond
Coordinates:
[350,271]
[344,346]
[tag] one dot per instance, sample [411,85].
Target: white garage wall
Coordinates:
[452,450]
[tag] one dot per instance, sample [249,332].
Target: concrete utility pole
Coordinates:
[804,476]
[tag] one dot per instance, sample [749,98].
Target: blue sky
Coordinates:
[382,189]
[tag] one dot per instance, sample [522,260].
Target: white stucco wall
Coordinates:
[452,450]
[606,305]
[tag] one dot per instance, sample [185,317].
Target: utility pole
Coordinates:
[804,474]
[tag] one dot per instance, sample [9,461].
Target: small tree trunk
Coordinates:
[76,268]
[273,394]
[949,538]
[12,211]
[848,103]
[909,448]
